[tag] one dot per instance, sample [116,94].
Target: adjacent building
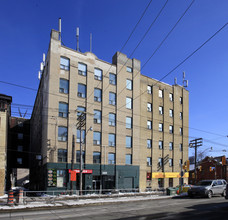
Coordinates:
[134,135]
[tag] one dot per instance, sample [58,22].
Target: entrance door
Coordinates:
[128,183]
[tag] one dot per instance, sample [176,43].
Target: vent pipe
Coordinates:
[60,29]
[77,38]
[91,38]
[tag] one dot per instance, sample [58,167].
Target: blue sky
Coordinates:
[25,32]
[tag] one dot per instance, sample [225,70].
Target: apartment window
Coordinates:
[128,103]
[62,133]
[128,141]
[149,161]
[181,115]
[79,135]
[82,69]
[149,89]
[78,157]
[129,84]
[129,69]
[97,74]
[160,162]
[62,155]
[149,143]
[128,122]
[171,113]
[171,129]
[170,145]
[181,131]
[160,108]
[64,86]
[20,136]
[128,159]
[19,160]
[64,63]
[96,157]
[148,176]
[112,119]
[81,90]
[180,162]
[80,109]
[97,95]
[111,140]
[170,162]
[63,110]
[160,93]
[112,98]
[20,148]
[111,158]
[181,100]
[149,107]
[160,128]
[112,78]
[171,97]
[181,147]
[97,117]
[96,138]
[149,124]
[160,145]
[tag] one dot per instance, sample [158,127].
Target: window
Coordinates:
[97,95]
[181,100]
[149,89]
[80,109]
[96,138]
[180,162]
[62,155]
[181,115]
[111,158]
[129,84]
[160,93]
[171,129]
[112,119]
[181,147]
[97,117]
[78,158]
[96,157]
[128,103]
[181,131]
[112,98]
[20,148]
[64,86]
[111,140]
[160,145]
[171,97]
[19,160]
[82,69]
[97,74]
[148,176]
[129,69]
[64,63]
[149,161]
[170,162]
[160,182]
[61,178]
[112,78]
[128,141]
[63,110]
[170,145]
[160,108]
[160,162]
[170,113]
[149,143]
[128,159]
[149,107]
[81,90]
[149,124]
[160,128]
[62,133]
[20,136]
[170,182]
[79,135]
[128,122]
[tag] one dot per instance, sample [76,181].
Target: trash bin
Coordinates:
[171,191]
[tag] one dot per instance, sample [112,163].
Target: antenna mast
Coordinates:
[60,29]
[77,38]
[91,38]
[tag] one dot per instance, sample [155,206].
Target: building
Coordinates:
[135,132]
[5,112]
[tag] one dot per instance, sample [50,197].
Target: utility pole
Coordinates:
[194,144]
[72,162]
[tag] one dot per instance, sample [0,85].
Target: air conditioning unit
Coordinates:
[61,90]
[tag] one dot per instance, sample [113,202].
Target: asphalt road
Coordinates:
[175,208]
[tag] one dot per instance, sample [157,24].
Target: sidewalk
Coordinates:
[74,201]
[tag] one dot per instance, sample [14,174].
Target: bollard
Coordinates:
[10,201]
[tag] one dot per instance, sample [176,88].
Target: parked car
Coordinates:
[208,188]
[226,197]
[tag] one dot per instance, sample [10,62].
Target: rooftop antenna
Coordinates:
[77,38]
[60,29]
[185,82]
[175,81]
[91,37]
